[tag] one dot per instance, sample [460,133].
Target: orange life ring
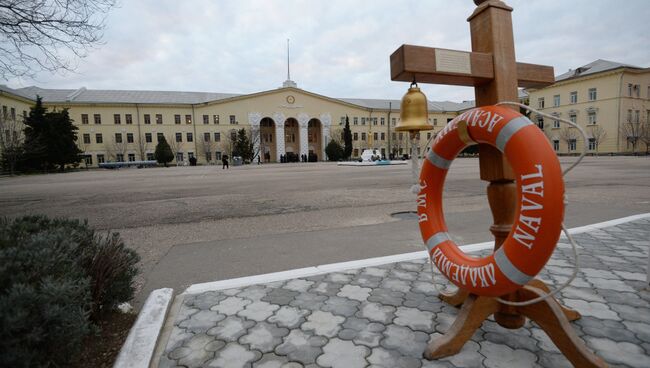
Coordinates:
[540,206]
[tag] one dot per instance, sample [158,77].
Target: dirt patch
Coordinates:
[101,350]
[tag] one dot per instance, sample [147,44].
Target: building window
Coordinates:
[629,89]
[592,144]
[117,119]
[637,88]
[159,137]
[119,157]
[556,124]
[591,116]
[129,137]
[428,135]
[188,119]
[147,137]
[128,118]
[592,94]
[363,121]
[208,156]
[216,119]
[355,120]
[401,136]
[540,103]
[98,138]
[232,120]
[100,159]
[179,137]
[190,137]
[151,156]
[394,135]
[179,156]
[375,136]
[556,100]
[217,137]
[342,120]
[374,121]
[382,121]
[217,155]
[540,122]
[97,118]
[556,145]
[573,97]
[572,145]
[147,119]
[383,136]
[206,137]
[159,119]
[84,119]
[131,157]
[355,152]
[637,115]
[435,121]
[573,118]
[118,137]
[393,121]
[355,136]
[86,138]
[206,119]
[363,137]
[177,119]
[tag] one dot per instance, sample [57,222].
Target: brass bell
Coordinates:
[413,112]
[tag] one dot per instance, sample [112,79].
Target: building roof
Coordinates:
[594,67]
[83,95]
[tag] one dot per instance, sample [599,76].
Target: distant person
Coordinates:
[259,160]
[192,161]
[224,161]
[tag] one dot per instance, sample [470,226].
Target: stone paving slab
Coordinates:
[384,316]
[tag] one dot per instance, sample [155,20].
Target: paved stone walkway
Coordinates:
[384,316]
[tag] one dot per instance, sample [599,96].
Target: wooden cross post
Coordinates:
[493,71]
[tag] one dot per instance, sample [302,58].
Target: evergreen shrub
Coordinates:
[55,275]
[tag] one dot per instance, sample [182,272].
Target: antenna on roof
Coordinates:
[289,82]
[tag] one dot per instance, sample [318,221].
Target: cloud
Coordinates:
[338,48]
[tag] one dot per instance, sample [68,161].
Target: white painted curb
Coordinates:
[369,262]
[139,347]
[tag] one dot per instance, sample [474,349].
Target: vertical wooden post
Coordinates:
[491,32]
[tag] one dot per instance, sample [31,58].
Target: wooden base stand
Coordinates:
[548,314]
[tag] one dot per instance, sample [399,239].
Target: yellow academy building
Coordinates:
[610,100]
[124,125]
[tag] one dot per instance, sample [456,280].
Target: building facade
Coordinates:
[610,100]
[286,122]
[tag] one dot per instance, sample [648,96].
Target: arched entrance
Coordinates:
[291,140]
[314,140]
[268,140]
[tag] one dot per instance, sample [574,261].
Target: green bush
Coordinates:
[55,274]
[334,151]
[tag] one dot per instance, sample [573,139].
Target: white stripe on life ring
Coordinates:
[509,130]
[438,161]
[436,240]
[510,270]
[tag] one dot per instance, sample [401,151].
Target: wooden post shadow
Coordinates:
[494,73]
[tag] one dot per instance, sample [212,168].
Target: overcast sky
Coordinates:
[338,48]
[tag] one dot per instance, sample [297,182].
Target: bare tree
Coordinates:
[11,142]
[142,146]
[644,136]
[255,139]
[116,148]
[39,35]
[207,146]
[632,132]
[598,134]
[569,134]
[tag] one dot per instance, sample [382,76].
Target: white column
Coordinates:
[326,123]
[254,119]
[303,122]
[279,119]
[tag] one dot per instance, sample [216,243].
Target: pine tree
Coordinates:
[347,139]
[163,152]
[242,146]
[50,138]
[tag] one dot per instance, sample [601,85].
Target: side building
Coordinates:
[610,100]
[123,125]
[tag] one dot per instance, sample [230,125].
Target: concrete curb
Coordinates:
[139,347]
